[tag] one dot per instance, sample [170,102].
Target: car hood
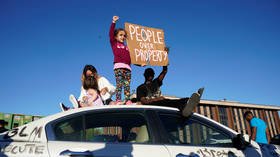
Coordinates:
[270,150]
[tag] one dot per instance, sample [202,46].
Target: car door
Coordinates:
[115,133]
[194,137]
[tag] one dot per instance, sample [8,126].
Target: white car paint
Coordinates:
[37,139]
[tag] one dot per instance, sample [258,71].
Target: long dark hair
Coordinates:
[86,68]
[90,83]
[89,67]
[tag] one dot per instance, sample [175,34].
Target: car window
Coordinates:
[69,130]
[115,127]
[192,132]
[103,127]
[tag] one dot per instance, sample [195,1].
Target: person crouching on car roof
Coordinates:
[149,93]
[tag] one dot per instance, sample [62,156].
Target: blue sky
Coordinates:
[231,48]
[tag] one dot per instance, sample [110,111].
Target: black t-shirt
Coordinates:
[149,90]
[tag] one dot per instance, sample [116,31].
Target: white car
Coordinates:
[127,131]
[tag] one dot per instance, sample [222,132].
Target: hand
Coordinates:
[166,49]
[143,64]
[164,68]
[115,18]
[103,91]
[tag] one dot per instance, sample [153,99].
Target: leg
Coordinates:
[191,104]
[175,103]
[185,105]
[126,81]
[118,76]
[74,101]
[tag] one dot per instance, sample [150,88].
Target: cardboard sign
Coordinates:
[146,45]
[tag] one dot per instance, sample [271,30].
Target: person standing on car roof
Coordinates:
[122,61]
[259,130]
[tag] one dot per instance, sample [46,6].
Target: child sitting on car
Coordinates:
[92,96]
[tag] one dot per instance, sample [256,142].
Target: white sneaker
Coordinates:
[74,101]
[191,104]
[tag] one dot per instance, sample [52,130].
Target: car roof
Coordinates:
[109,107]
[49,118]
[40,124]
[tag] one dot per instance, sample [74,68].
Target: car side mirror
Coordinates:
[241,141]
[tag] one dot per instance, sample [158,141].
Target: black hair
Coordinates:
[3,122]
[247,113]
[149,72]
[89,67]
[116,31]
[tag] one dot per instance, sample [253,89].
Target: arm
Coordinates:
[146,101]
[110,88]
[267,135]
[105,86]
[82,94]
[164,68]
[162,74]
[142,94]
[112,29]
[84,102]
[253,133]
[90,98]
